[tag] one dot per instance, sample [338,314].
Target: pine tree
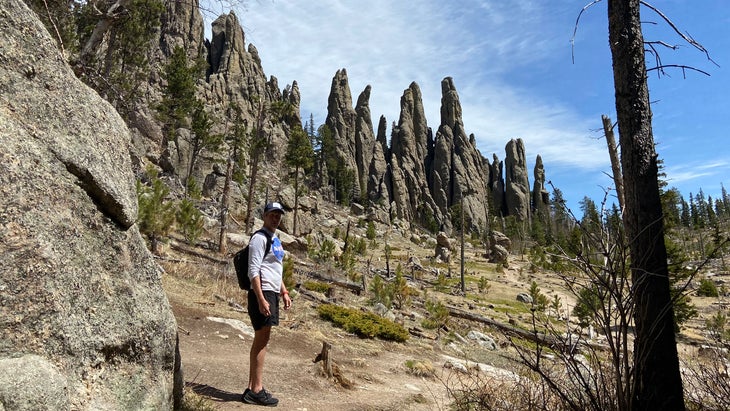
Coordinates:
[156,213]
[178,97]
[236,138]
[118,67]
[560,218]
[201,139]
[685,214]
[300,156]
[190,220]
[180,108]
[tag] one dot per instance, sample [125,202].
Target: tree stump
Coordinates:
[324,356]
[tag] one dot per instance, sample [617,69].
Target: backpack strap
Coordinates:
[269,240]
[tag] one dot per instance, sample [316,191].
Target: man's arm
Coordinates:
[256,253]
[263,304]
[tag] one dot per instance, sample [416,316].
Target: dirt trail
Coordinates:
[215,361]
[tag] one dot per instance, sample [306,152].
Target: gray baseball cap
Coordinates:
[273,207]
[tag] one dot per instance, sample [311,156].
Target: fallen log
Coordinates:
[537,337]
[357,288]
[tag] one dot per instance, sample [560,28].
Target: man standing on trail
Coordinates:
[266,274]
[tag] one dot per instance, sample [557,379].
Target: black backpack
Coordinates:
[240,261]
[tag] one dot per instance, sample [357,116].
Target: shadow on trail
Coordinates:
[213,393]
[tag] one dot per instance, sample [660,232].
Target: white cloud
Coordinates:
[386,44]
[683,173]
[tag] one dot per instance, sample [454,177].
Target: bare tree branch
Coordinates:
[575,29]
[686,37]
[102,27]
[683,67]
[652,50]
[55,28]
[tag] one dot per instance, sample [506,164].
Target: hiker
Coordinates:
[266,274]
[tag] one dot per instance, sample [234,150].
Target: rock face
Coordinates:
[411,143]
[517,184]
[378,188]
[540,196]
[364,139]
[183,27]
[496,185]
[459,175]
[84,322]
[341,120]
[236,76]
[417,178]
[352,130]
[424,179]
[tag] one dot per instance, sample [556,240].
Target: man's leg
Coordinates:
[256,358]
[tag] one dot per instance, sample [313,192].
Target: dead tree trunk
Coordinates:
[657,382]
[225,201]
[618,178]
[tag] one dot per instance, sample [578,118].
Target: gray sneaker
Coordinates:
[262,397]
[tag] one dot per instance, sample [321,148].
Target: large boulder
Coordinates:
[84,322]
[444,247]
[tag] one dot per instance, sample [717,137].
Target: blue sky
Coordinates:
[512,66]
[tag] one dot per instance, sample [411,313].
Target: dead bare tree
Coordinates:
[657,381]
[586,375]
[618,179]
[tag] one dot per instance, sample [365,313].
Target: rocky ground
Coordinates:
[215,340]
[215,335]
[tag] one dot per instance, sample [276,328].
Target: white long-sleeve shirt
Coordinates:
[270,268]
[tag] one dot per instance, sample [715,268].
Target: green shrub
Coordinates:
[589,303]
[381,292]
[367,325]
[288,274]
[190,220]
[441,282]
[717,326]
[707,288]
[347,261]
[156,214]
[556,305]
[317,286]
[483,284]
[193,189]
[325,252]
[438,315]
[539,300]
[359,246]
[401,291]
[370,233]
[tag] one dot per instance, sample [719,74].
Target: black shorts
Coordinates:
[258,320]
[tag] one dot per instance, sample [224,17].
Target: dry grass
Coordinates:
[469,391]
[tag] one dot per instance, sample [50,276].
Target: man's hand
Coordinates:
[264,307]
